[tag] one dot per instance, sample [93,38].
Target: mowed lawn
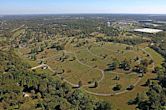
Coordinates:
[74,71]
[119,102]
[107,84]
[117,52]
[49,53]
[2,38]
[18,32]
[92,60]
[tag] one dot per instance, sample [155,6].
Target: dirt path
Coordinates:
[144,50]
[102,71]
[39,66]
[76,85]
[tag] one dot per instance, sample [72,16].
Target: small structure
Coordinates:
[108,24]
[26,94]
[44,67]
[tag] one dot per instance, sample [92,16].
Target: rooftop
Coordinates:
[148,30]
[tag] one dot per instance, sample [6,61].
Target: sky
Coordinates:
[82,6]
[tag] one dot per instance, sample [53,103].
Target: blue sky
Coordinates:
[82,6]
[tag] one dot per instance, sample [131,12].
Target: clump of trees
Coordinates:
[112,66]
[159,43]
[129,41]
[117,87]
[142,67]
[56,46]
[156,93]
[126,66]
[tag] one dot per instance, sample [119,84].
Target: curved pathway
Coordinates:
[144,50]
[102,72]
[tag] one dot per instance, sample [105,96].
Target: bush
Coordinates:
[131,102]
[130,87]
[117,87]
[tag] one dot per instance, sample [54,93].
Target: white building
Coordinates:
[148,30]
[108,24]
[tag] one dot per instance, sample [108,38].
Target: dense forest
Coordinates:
[160,43]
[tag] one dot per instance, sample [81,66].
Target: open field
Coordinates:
[18,32]
[158,59]
[2,38]
[120,101]
[87,64]
[108,82]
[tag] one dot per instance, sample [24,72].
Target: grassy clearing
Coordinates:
[18,32]
[158,59]
[40,71]
[92,60]
[120,101]
[25,59]
[108,83]
[3,38]
[49,53]
[75,72]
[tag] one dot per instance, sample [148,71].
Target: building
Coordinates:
[108,24]
[148,30]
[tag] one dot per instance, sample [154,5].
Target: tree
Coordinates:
[103,106]
[112,66]
[140,69]
[79,84]
[130,87]
[117,77]
[117,87]
[144,63]
[148,82]
[124,65]
[96,84]
[138,99]
[40,49]
[33,57]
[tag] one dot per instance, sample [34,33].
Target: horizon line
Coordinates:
[83,14]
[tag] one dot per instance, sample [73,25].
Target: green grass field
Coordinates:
[18,32]
[108,82]
[88,65]
[158,59]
